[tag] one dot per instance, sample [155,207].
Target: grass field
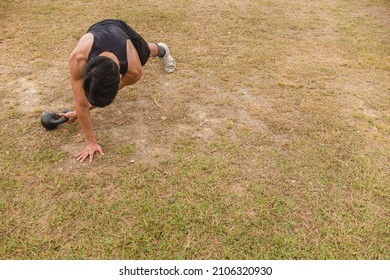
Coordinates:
[270,141]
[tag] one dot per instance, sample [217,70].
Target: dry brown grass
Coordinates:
[274,143]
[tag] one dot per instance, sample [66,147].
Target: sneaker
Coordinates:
[167,60]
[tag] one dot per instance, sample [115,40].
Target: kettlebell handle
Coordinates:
[59,121]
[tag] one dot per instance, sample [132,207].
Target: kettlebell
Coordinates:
[51,120]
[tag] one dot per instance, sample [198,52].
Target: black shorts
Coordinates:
[139,43]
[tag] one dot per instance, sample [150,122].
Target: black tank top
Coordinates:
[109,36]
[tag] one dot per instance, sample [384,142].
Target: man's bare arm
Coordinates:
[82,107]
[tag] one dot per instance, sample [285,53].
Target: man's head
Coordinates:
[101,81]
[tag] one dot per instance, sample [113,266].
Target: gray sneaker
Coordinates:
[167,60]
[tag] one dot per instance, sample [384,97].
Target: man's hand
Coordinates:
[89,151]
[72,116]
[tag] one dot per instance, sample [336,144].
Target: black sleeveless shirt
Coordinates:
[110,36]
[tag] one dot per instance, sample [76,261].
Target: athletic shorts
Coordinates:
[139,43]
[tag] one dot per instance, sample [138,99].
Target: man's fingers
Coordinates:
[81,156]
[63,115]
[89,152]
[91,156]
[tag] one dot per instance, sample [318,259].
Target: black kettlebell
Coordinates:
[51,120]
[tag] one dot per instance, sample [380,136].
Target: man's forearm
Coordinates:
[85,121]
[90,108]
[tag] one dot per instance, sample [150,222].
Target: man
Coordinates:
[107,58]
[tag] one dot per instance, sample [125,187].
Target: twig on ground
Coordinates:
[158,105]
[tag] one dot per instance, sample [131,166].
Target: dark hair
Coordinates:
[101,81]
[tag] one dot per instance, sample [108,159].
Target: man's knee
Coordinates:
[138,74]
[135,76]
[132,76]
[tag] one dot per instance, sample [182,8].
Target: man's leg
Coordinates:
[153,49]
[161,51]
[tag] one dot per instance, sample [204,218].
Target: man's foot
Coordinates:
[167,59]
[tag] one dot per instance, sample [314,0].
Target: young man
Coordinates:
[107,58]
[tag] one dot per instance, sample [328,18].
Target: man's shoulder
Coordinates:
[83,47]
[79,55]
